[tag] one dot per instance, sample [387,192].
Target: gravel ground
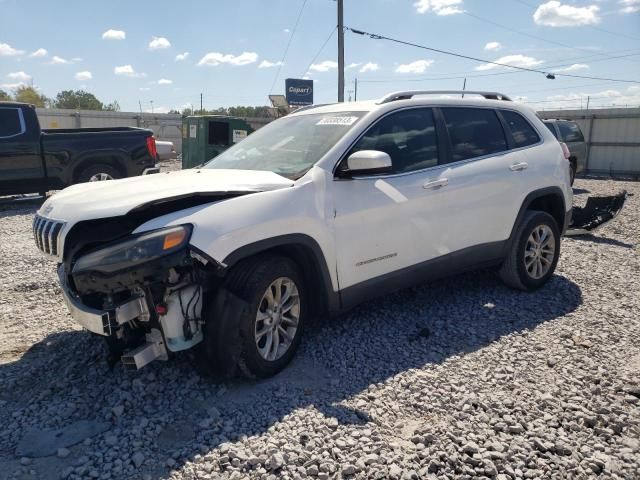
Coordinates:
[462,378]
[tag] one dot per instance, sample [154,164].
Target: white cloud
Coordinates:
[439,7]
[214,59]
[419,66]
[12,86]
[286,30]
[56,60]
[352,65]
[606,97]
[165,81]
[555,14]
[268,64]
[158,110]
[493,46]
[369,67]
[127,71]
[572,68]
[114,35]
[182,56]
[629,6]
[144,89]
[7,50]
[83,76]
[518,60]
[324,66]
[158,43]
[41,52]
[22,76]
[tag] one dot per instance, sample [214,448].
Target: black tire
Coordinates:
[230,345]
[513,271]
[572,170]
[97,169]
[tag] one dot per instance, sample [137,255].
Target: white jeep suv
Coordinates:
[310,215]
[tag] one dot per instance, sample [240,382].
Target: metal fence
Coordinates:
[612,136]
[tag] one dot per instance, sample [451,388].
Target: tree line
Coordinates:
[72,99]
[83,100]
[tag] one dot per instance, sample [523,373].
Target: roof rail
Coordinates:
[392,97]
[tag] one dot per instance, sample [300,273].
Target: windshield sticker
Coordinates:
[337,121]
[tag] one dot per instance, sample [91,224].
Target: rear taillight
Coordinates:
[151,147]
[565,150]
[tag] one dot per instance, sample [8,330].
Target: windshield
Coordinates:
[289,146]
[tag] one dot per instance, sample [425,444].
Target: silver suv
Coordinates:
[569,132]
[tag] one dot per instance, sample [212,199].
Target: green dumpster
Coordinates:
[205,136]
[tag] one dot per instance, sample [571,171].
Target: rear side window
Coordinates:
[522,132]
[551,128]
[408,137]
[474,132]
[570,132]
[218,133]
[10,124]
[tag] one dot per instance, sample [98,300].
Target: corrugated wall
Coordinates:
[613,138]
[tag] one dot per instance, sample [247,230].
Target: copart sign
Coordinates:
[299,91]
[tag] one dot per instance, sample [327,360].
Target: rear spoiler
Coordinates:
[595,213]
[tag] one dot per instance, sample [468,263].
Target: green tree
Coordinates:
[5,97]
[78,99]
[30,95]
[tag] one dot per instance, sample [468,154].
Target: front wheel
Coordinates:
[270,328]
[534,252]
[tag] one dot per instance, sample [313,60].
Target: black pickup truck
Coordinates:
[33,160]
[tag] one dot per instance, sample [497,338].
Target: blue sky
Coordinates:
[169,52]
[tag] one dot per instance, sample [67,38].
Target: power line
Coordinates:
[549,75]
[533,7]
[333,30]
[284,55]
[469,74]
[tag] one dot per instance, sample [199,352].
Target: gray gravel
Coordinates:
[462,378]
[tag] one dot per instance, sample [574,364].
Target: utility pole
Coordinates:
[340,51]
[355,95]
[464,86]
[201,104]
[151,106]
[588,98]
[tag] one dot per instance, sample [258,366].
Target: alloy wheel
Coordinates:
[540,251]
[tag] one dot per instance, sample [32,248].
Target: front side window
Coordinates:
[408,137]
[522,132]
[570,132]
[10,124]
[289,146]
[551,128]
[473,132]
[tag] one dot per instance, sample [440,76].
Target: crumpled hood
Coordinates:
[117,197]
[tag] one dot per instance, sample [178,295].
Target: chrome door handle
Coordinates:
[516,167]
[443,182]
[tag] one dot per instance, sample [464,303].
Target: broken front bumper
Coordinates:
[102,322]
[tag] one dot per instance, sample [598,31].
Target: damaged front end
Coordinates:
[596,212]
[143,292]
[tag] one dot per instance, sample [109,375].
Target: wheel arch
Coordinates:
[114,159]
[550,200]
[307,254]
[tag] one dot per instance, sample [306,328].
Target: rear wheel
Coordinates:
[99,172]
[534,252]
[269,329]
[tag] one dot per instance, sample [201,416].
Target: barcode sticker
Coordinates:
[337,121]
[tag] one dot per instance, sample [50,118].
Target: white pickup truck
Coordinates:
[310,215]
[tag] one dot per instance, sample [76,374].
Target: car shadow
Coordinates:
[10,206]
[339,359]
[580,191]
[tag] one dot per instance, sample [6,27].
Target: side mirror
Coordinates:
[367,162]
